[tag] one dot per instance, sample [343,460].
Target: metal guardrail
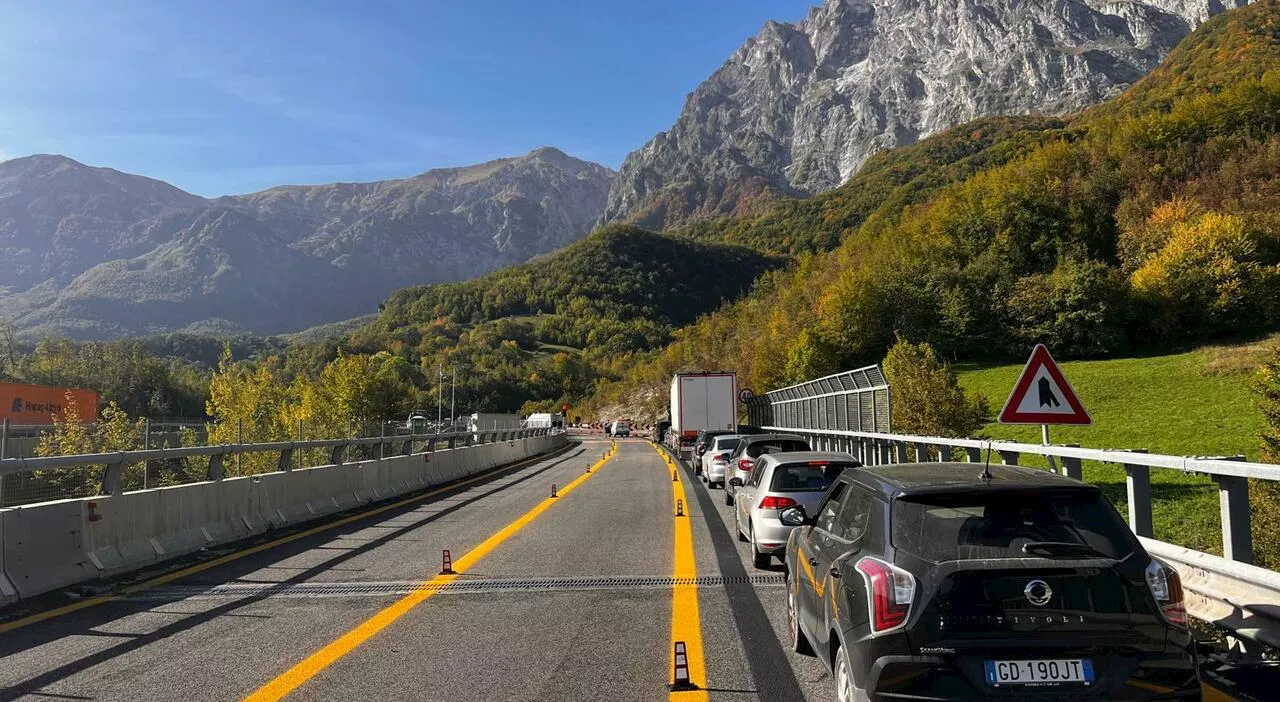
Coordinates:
[856,400]
[112,464]
[1226,591]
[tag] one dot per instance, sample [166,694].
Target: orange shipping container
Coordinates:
[36,404]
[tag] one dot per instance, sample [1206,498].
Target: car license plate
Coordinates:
[1072,670]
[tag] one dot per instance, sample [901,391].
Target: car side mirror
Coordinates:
[794,516]
[736,482]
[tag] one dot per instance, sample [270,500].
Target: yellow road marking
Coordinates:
[223,560]
[1213,694]
[293,678]
[686,622]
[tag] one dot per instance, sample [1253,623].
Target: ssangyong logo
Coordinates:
[1038,593]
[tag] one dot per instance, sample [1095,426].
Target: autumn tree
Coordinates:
[927,398]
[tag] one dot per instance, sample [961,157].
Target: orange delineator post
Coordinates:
[448,564]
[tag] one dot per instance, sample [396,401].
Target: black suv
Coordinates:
[935,581]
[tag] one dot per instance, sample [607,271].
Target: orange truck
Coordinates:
[37,404]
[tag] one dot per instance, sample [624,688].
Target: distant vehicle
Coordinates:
[778,482]
[751,448]
[483,421]
[419,423]
[620,428]
[544,420]
[702,443]
[1023,585]
[715,461]
[701,402]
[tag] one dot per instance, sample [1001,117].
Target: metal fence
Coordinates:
[856,400]
[29,480]
[1227,591]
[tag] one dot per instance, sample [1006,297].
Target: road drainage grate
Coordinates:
[455,587]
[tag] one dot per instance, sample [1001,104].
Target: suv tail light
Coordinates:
[1166,586]
[746,464]
[722,458]
[771,502]
[890,591]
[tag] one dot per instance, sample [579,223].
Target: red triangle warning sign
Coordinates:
[1043,395]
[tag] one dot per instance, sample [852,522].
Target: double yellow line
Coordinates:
[686,620]
[293,678]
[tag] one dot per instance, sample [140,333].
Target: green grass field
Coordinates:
[1195,403]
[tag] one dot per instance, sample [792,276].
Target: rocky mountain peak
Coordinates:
[800,107]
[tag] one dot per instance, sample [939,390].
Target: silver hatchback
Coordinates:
[748,452]
[781,481]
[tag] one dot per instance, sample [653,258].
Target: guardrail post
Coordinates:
[1071,466]
[431,445]
[335,457]
[406,448]
[285,463]
[453,441]
[1138,485]
[4,452]
[215,467]
[945,453]
[973,455]
[1233,500]
[112,478]
[1008,458]
[922,453]
[886,454]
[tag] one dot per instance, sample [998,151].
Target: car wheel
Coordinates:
[759,560]
[844,678]
[799,642]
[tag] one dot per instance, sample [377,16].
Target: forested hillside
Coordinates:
[1144,223]
[550,328]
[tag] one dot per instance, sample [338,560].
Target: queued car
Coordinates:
[714,462]
[777,482]
[620,427]
[702,444]
[948,581]
[751,448]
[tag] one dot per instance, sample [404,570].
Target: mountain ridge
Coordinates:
[798,108]
[93,247]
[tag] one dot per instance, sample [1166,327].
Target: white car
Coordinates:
[715,460]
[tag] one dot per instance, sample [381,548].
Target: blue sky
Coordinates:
[227,96]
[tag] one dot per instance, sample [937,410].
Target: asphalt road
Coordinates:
[564,599]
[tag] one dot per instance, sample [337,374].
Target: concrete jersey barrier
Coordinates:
[53,545]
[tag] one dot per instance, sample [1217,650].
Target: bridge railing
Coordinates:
[30,480]
[1227,590]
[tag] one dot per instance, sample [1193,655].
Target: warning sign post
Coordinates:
[1043,396]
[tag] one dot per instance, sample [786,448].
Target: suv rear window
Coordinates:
[759,449]
[805,477]
[1075,524]
[727,444]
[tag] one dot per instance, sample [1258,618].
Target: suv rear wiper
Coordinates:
[1061,548]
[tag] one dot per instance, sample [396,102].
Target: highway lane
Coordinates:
[573,603]
[225,645]
[554,642]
